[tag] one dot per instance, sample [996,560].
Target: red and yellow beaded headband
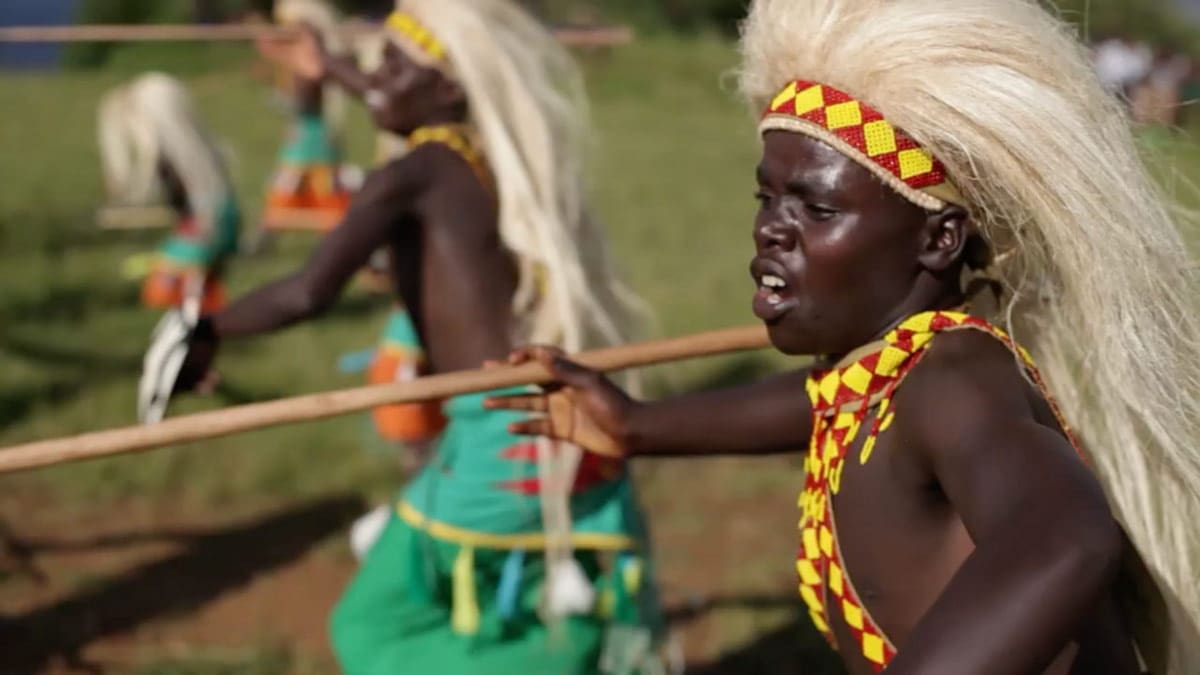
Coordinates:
[861,133]
[417,41]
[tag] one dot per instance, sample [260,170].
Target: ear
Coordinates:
[948,233]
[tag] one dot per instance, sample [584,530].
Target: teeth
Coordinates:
[774,299]
[772,281]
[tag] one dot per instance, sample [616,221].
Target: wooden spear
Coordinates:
[606,36]
[329,404]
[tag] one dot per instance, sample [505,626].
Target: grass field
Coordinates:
[675,152]
[673,161]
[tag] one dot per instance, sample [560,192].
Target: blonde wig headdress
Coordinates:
[1100,286]
[153,119]
[324,19]
[527,102]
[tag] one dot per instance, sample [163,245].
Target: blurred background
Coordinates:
[226,556]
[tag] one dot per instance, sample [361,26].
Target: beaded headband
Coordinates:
[861,133]
[417,41]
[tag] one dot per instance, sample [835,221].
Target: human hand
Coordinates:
[302,53]
[581,406]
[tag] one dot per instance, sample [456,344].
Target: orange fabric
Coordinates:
[314,192]
[403,422]
[164,289]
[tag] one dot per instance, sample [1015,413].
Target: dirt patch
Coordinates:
[109,588]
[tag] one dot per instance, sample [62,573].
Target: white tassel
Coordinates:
[367,529]
[569,590]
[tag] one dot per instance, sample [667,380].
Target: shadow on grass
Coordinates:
[211,564]
[794,649]
[71,302]
[91,366]
[92,360]
[683,615]
[18,403]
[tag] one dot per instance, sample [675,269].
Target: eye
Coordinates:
[818,212]
[763,199]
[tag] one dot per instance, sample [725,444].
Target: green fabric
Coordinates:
[469,483]
[310,143]
[221,243]
[395,616]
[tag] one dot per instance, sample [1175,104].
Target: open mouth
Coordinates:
[773,297]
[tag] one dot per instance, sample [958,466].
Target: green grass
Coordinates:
[674,153]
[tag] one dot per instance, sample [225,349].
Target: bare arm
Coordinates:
[344,71]
[1047,546]
[305,56]
[382,203]
[771,416]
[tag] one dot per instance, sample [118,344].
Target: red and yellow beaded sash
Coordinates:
[842,400]
[461,140]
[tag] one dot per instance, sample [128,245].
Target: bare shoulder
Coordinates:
[407,174]
[969,385]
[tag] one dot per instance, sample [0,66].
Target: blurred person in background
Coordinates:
[155,149]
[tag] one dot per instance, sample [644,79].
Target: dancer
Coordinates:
[155,148]
[308,184]
[940,183]
[491,560]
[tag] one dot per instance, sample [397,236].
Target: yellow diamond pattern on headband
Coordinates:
[880,138]
[914,162]
[842,115]
[872,141]
[809,99]
[788,94]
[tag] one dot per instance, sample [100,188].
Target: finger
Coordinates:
[571,373]
[520,355]
[531,353]
[526,402]
[534,427]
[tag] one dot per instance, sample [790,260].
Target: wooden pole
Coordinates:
[604,36]
[330,404]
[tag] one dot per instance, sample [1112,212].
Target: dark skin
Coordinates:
[434,215]
[976,537]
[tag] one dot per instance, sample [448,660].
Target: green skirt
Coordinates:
[387,623]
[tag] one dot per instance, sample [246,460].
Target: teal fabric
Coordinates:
[463,484]
[401,331]
[221,243]
[310,143]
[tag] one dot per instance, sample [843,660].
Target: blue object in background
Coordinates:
[355,362]
[34,13]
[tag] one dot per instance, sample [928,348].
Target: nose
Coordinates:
[770,233]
